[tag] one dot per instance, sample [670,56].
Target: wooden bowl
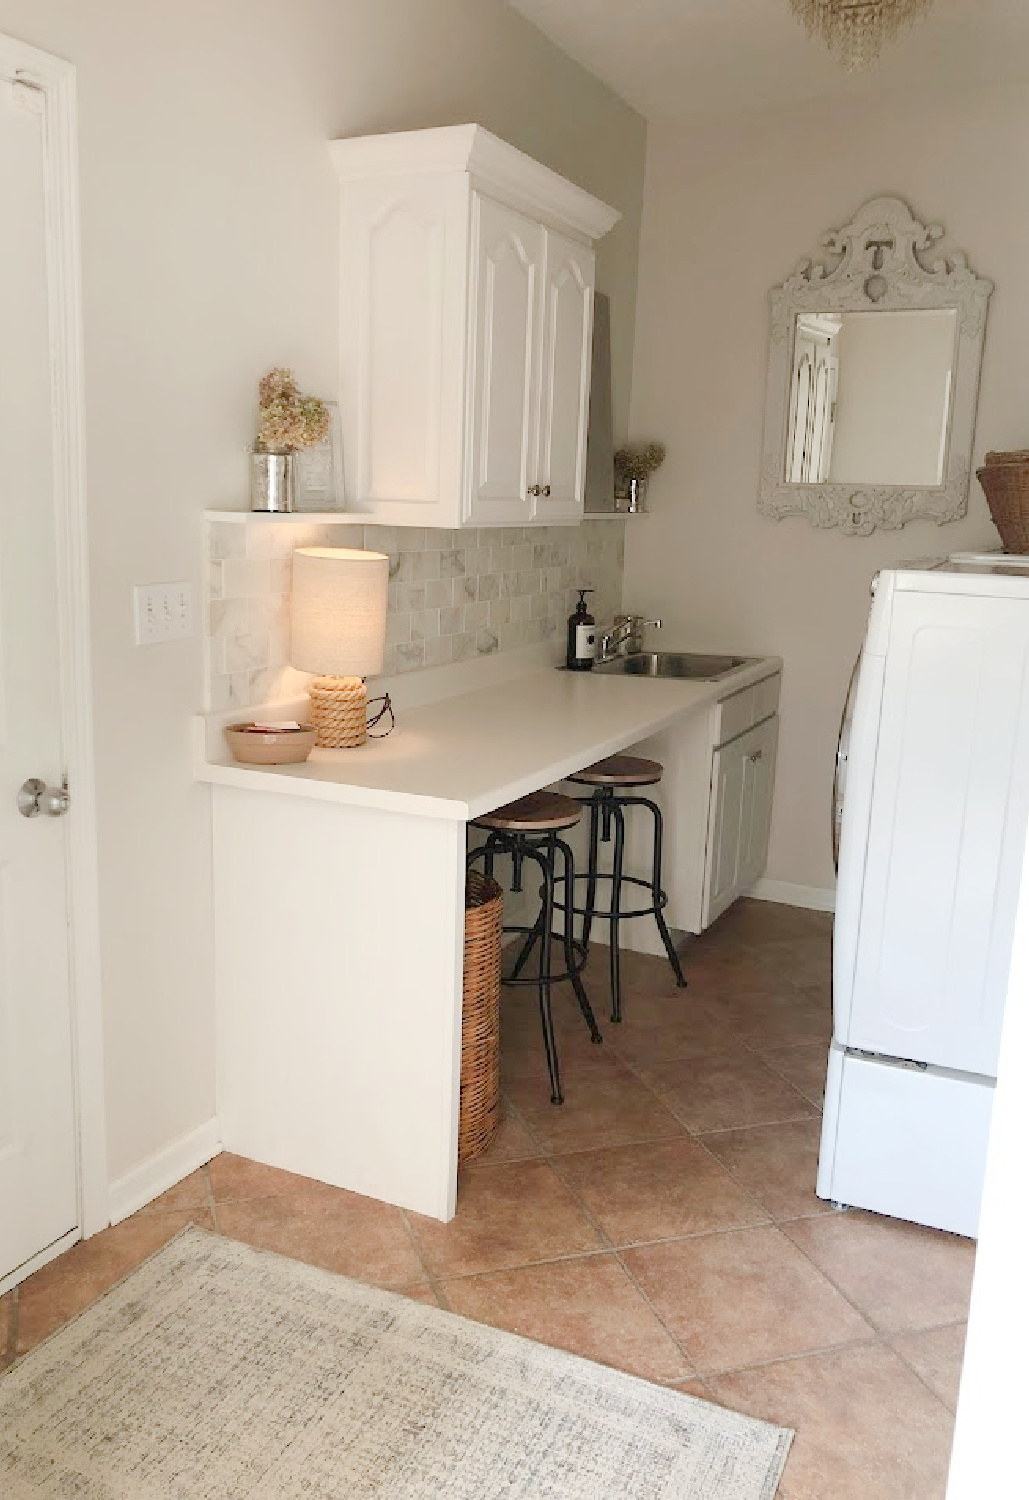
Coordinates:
[271,747]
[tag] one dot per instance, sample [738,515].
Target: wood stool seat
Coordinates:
[539,812]
[620,770]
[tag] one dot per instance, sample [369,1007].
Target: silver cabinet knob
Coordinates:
[545,490]
[534,489]
[755,755]
[36,799]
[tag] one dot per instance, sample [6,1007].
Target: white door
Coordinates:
[565,386]
[946,833]
[38,1189]
[508,265]
[742,779]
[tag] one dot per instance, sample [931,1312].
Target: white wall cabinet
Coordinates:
[466,315]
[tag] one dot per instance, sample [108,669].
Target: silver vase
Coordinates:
[634,498]
[273,482]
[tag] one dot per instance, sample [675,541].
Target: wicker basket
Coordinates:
[1005,481]
[480,1017]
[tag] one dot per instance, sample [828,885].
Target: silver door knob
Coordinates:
[36,799]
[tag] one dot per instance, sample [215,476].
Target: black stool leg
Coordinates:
[546,1015]
[569,943]
[615,917]
[591,874]
[657,894]
[531,940]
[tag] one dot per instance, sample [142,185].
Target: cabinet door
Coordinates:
[403,322]
[504,384]
[739,816]
[565,384]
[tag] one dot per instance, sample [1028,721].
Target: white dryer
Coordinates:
[932,806]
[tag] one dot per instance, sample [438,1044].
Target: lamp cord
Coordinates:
[387,708]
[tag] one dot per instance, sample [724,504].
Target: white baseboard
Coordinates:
[811,896]
[163,1170]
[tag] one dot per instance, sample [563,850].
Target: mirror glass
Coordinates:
[870,397]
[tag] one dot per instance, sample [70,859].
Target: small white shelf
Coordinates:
[293,517]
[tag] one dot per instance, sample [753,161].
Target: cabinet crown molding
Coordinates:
[495,167]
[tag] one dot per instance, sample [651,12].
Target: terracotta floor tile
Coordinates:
[664,1030]
[191,1192]
[659,1190]
[512,1142]
[695,1387]
[589,1307]
[901,1276]
[723,1093]
[867,1429]
[239,1177]
[422,1293]
[6,1328]
[776,1018]
[776,1163]
[804,1066]
[743,1296]
[604,1106]
[334,1229]
[78,1277]
[506,1216]
[937,1356]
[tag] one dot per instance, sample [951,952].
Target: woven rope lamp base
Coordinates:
[339,712]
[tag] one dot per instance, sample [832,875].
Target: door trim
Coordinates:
[56,80]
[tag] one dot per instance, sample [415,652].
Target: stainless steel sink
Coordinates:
[674,664]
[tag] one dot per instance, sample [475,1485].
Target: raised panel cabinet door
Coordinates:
[565,386]
[725,824]
[758,786]
[504,380]
[403,311]
[38,1189]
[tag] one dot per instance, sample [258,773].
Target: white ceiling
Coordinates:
[672,58]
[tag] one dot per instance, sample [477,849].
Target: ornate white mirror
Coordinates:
[873,378]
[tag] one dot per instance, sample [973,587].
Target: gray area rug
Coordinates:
[216,1371]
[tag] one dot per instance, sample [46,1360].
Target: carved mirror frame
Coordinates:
[878,262]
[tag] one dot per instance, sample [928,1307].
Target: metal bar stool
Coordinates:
[611,779]
[529,829]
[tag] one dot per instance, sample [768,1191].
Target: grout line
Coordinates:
[429,1278]
[12,1328]
[677,1342]
[914,1332]
[211,1201]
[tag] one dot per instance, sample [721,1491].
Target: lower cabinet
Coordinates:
[739,816]
[716,798]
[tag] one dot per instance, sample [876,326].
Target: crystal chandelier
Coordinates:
[855,30]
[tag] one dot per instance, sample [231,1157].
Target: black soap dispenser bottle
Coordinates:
[582,637]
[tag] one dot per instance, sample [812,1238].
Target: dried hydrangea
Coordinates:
[286,419]
[640,460]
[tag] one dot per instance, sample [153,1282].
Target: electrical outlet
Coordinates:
[163,612]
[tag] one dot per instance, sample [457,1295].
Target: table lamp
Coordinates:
[338,632]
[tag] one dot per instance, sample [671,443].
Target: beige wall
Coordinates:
[730,207]
[210,241]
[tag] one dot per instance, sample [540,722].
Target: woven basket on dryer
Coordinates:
[480,1016]
[1005,481]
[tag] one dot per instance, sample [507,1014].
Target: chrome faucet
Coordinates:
[625,638]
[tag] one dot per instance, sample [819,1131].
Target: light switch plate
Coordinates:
[163,612]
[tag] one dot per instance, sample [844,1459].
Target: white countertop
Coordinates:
[464,755]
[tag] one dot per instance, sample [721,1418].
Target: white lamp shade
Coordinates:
[338,615]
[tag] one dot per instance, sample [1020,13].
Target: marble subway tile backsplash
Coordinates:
[452,594]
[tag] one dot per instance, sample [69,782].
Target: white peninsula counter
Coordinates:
[339,908]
